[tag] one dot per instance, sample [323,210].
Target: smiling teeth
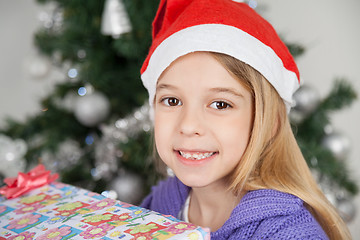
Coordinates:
[196,156]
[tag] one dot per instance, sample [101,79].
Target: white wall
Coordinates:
[328,29]
[19,92]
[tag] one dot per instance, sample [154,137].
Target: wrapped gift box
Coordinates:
[61,211]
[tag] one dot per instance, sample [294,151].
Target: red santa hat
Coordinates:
[225,26]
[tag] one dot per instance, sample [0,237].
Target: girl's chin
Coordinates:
[194,181]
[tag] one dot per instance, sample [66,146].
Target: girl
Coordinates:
[220,83]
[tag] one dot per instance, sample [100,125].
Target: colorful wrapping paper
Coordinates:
[59,211]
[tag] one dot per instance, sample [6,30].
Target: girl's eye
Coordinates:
[220,105]
[171,101]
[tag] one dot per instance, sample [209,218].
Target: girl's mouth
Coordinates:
[195,155]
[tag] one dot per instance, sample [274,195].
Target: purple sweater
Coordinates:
[261,214]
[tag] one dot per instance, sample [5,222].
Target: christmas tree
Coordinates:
[95,129]
[84,131]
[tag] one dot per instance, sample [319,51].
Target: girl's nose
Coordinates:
[191,122]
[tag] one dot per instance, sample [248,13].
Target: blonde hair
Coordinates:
[273,159]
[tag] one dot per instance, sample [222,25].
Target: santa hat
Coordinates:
[224,26]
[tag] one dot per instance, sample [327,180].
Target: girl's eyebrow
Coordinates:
[165,86]
[214,90]
[227,90]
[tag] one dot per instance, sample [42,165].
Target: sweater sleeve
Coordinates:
[300,225]
[270,214]
[285,229]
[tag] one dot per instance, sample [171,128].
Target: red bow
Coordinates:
[25,182]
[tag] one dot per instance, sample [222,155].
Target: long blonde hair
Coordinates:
[273,159]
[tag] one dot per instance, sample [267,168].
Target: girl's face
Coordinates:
[203,119]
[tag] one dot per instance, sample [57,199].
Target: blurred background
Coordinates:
[111,122]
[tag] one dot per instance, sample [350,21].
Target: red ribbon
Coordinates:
[25,182]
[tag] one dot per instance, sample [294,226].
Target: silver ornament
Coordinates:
[128,186]
[92,109]
[12,154]
[115,20]
[337,144]
[306,101]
